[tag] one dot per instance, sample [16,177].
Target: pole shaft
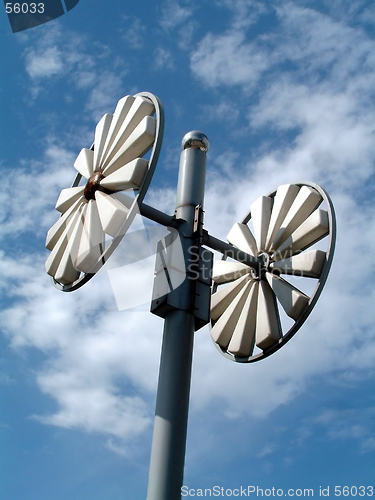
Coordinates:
[172,402]
[172,406]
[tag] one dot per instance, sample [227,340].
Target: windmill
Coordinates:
[254,308]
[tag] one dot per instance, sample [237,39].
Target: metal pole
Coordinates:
[172,404]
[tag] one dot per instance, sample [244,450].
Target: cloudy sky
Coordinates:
[284,90]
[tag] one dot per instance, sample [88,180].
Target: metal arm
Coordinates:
[231,251]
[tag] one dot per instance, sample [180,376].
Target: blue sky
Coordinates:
[285,92]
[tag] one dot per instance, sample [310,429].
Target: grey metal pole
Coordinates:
[172,404]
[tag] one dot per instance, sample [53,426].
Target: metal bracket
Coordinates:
[198,221]
[173,266]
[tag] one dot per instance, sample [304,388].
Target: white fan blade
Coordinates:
[54,258]
[122,109]
[68,197]
[92,241]
[58,228]
[124,199]
[141,108]
[221,299]
[308,264]
[101,133]
[223,329]
[224,271]
[260,215]
[243,339]
[268,329]
[241,237]
[111,212]
[309,232]
[66,272]
[130,176]
[293,300]
[284,197]
[84,163]
[306,201]
[137,144]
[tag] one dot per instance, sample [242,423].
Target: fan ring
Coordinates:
[318,289]
[159,114]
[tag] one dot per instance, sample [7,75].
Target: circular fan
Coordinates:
[249,309]
[97,213]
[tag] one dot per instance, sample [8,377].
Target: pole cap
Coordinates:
[195,139]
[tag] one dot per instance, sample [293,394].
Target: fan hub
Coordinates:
[93,184]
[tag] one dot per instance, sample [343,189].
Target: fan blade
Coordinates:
[223,329]
[57,229]
[284,197]
[293,300]
[243,339]
[268,328]
[306,201]
[309,232]
[308,264]
[260,215]
[122,109]
[141,108]
[130,176]
[111,212]
[66,272]
[92,241]
[101,133]
[54,258]
[224,271]
[137,144]
[68,197]
[221,299]
[241,237]
[84,163]
[124,199]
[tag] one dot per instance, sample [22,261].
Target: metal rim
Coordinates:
[318,289]
[134,209]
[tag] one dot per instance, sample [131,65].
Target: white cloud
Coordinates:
[245,12]
[186,34]
[45,64]
[348,424]
[323,43]
[71,57]
[333,134]
[367,16]
[32,188]
[179,20]
[307,38]
[163,59]
[104,95]
[228,59]
[90,347]
[223,111]
[135,34]
[93,408]
[49,56]
[173,14]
